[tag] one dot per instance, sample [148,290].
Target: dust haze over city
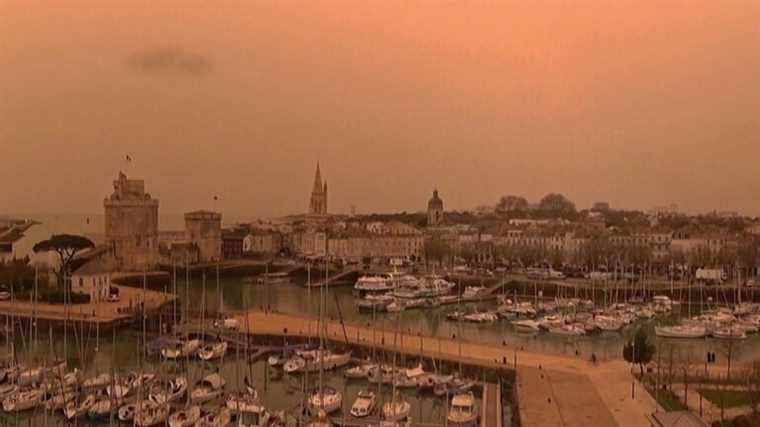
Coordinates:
[635,103]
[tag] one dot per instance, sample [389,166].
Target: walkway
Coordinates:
[552,390]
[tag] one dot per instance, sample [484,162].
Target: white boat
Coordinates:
[244,402]
[74,409]
[526,325]
[480,317]
[176,389]
[463,412]
[100,381]
[219,418]
[127,412]
[364,404]
[474,291]
[567,330]
[312,361]
[23,400]
[209,388]
[683,331]
[396,410]
[213,351]
[359,371]
[152,415]
[185,417]
[8,390]
[326,399]
[729,334]
[181,349]
[375,283]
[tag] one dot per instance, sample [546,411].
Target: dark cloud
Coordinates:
[173,60]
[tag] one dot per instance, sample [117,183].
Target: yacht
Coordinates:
[526,325]
[208,388]
[213,351]
[185,417]
[680,331]
[376,283]
[326,399]
[463,412]
[364,404]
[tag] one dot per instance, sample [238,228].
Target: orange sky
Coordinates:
[637,103]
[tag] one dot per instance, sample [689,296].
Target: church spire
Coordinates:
[317,181]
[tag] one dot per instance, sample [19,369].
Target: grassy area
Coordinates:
[666,399]
[729,398]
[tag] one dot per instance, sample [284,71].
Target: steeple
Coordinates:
[317,181]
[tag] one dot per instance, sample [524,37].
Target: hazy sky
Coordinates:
[633,102]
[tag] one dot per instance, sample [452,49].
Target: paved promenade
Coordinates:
[552,390]
[103,312]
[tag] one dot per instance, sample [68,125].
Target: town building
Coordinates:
[204,230]
[131,225]
[435,210]
[262,242]
[94,279]
[232,244]
[318,200]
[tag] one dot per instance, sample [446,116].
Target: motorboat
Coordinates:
[219,418]
[326,399]
[681,331]
[152,415]
[208,388]
[364,404]
[463,412]
[186,417]
[23,400]
[378,283]
[213,351]
[359,371]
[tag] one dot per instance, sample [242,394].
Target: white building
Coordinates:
[94,279]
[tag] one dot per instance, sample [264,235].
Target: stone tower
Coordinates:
[318,202]
[204,230]
[131,217]
[435,210]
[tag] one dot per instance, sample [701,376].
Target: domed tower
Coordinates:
[435,210]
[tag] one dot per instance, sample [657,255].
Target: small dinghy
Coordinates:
[186,417]
[207,389]
[213,351]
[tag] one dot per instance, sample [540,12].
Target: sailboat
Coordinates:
[185,417]
[463,411]
[213,351]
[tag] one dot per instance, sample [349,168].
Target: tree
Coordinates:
[511,203]
[639,351]
[66,246]
[558,206]
[437,249]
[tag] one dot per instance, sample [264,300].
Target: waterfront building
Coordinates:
[204,230]
[232,244]
[131,225]
[262,242]
[94,279]
[318,200]
[435,210]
